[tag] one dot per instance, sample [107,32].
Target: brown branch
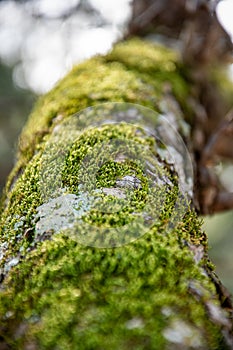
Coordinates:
[223,201]
[193,23]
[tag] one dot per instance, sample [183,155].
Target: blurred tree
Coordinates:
[15,105]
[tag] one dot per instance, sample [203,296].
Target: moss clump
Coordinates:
[59,293]
[114,77]
[97,166]
[71,297]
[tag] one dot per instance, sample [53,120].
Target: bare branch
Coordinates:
[193,22]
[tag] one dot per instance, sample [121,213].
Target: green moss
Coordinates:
[80,172]
[157,67]
[122,79]
[59,293]
[79,296]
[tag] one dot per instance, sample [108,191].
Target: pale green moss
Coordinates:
[64,295]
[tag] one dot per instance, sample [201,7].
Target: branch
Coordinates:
[100,243]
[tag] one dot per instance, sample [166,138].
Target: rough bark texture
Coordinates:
[157,292]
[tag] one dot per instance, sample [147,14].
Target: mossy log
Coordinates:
[101,247]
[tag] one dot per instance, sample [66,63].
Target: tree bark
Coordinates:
[101,246]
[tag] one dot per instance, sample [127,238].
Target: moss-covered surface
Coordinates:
[135,72]
[58,293]
[64,296]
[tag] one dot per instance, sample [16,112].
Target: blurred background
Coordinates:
[40,41]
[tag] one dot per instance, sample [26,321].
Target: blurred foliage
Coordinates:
[220,232]
[15,105]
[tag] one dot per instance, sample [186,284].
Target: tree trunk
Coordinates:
[101,247]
